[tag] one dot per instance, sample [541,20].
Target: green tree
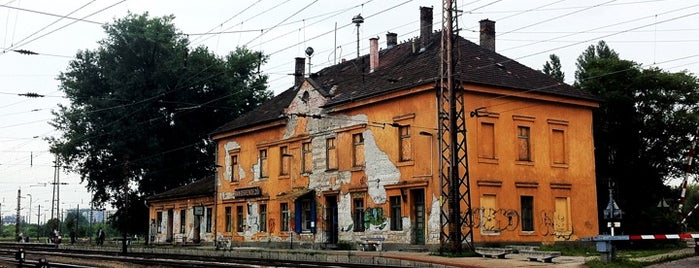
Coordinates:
[552,68]
[642,131]
[141,108]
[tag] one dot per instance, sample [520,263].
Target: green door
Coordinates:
[419,216]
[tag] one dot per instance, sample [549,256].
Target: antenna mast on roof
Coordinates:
[358,20]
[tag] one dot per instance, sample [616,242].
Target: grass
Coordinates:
[625,258]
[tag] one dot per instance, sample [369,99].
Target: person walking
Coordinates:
[100,237]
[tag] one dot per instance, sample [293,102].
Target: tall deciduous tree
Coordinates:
[552,68]
[141,108]
[642,131]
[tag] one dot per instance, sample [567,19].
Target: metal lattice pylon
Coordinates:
[456,217]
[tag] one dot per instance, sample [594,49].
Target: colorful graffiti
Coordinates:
[495,220]
[556,227]
[490,220]
[374,216]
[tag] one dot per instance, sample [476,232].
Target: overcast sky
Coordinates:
[660,33]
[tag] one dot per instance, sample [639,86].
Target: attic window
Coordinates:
[305,97]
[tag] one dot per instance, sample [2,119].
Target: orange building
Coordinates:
[182,215]
[351,152]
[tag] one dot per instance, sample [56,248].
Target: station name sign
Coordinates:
[248,192]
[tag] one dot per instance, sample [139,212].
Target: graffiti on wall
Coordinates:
[556,226]
[490,220]
[374,216]
[495,220]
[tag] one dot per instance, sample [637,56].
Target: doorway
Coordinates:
[331,219]
[418,212]
[170,217]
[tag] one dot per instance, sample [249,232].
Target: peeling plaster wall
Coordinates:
[252,225]
[345,223]
[379,169]
[231,145]
[433,225]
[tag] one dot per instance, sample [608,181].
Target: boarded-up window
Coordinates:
[396,219]
[239,218]
[159,221]
[488,214]
[284,208]
[284,161]
[523,144]
[358,150]
[558,146]
[229,219]
[263,164]
[263,218]
[486,141]
[405,143]
[306,158]
[358,215]
[527,206]
[183,220]
[235,174]
[561,221]
[209,220]
[330,154]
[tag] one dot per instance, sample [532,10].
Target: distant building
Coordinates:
[183,214]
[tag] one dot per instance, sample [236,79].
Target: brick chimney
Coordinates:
[488,34]
[425,26]
[299,71]
[373,53]
[391,40]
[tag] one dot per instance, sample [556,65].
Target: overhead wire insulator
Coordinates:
[25,52]
[31,95]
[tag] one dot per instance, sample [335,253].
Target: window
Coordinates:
[263,218]
[284,208]
[229,219]
[240,221]
[358,215]
[330,154]
[183,220]
[561,215]
[558,146]
[306,158]
[405,149]
[358,150]
[285,161]
[306,214]
[208,220]
[523,144]
[486,141]
[488,215]
[159,221]
[396,219]
[527,207]
[235,174]
[263,164]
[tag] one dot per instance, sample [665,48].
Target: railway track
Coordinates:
[91,257]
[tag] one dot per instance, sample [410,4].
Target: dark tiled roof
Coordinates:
[203,187]
[267,112]
[401,68]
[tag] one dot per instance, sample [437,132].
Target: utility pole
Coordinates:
[19,200]
[38,216]
[456,219]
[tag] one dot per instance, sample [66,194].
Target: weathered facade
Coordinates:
[352,152]
[183,215]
